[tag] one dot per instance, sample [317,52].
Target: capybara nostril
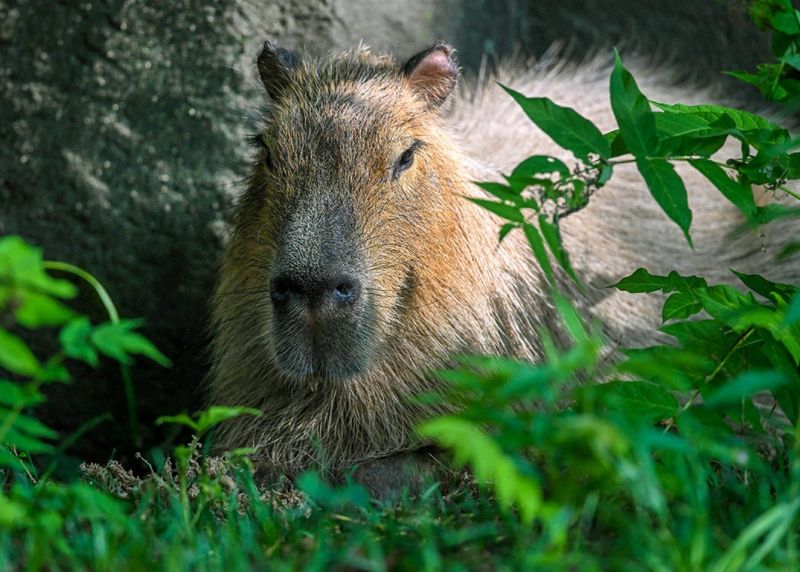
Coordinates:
[346,289]
[279,289]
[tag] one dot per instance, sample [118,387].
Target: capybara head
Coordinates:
[345,214]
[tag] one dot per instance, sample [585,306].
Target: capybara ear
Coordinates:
[433,73]
[276,66]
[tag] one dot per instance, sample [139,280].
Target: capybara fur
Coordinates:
[356,266]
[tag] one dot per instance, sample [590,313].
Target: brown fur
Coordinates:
[440,283]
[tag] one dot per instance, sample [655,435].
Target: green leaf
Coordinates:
[16,357]
[668,190]
[14,394]
[761,285]
[680,305]
[721,301]
[638,398]
[205,420]
[742,120]
[673,368]
[552,236]
[565,126]
[502,192]
[36,310]
[636,121]
[641,281]
[12,513]
[789,250]
[500,209]
[505,229]
[22,265]
[793,311]
[738,193]
[715,338]
[75,339]
[755,129]
[217,414]
[523,174]
[669,124]
[180,419]
[488,462]
[118,341]
[765,532]
[745,385]
[537,246]
[616,143]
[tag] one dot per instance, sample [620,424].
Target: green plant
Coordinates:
[680,456]
[778,81]
[32,300]
[676,453]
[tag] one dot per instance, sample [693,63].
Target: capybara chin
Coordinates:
[356,266]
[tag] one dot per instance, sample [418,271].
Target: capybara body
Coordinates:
[356,266]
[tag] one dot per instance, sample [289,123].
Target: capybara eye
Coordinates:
[405,160]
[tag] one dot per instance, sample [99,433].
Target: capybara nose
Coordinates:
[341,291]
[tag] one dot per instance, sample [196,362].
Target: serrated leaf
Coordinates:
[636,120]
[753,128]
[539,252]
[118,341]
[738,193]
[75,339]
[745,385]
[16,357]
[721,301]
[638,398]
[563,125]
[668,190]
[673,368]
[680,305]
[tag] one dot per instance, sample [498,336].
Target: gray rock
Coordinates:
[124,128]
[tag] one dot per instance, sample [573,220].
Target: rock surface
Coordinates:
[124,129]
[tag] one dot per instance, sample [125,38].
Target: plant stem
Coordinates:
[789,192]
[709,378]
[113,316]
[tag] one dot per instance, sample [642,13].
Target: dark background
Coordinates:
[123,129]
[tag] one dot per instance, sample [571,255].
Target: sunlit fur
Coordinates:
[439,282]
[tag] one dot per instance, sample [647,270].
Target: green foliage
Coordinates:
[31,299]
[202,421]
[542,190]
[778,81]
[678,456]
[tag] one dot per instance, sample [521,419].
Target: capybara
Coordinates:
[356,266]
